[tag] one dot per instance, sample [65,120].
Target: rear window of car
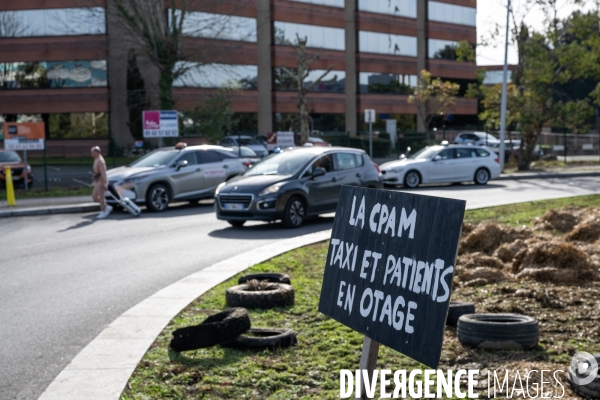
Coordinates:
[465,153]
[9,156]
[226,155]
[345,161]
[208,156]
[482,153]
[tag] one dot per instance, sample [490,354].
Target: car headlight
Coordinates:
[271,189]
[29,168]
[218,189]
[397,169]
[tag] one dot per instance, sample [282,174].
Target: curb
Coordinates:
[546,175]
[66,209]
[102,369]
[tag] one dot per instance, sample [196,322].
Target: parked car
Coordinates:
[294,184]
[246,155]
[313,139]
[259,148]
[516,145]
[440,164]
[477,139]
[175,174]
[18,169]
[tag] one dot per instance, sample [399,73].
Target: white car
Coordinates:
[248,141]
[477,139]
[443,164]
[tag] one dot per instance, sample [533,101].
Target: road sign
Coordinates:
[369,115]
[389,268]
[159,124]
[24,136]
[280,139]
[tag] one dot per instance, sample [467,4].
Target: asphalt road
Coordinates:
[63,278]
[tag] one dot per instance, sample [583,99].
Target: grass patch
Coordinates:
[57,192]
[310,370]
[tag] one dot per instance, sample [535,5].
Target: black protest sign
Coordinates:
[389,268]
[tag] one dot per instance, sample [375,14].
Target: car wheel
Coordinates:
[482,176]
[237,224]
[158,198]
[412,179]
[295,213]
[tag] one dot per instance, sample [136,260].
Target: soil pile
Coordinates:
[487,237]
[562,221]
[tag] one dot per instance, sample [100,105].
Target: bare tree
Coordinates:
[300,74]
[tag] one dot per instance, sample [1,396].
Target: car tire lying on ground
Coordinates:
[266,276]
[216,329]
[458,308]
[590,391]
[498,331]
[259,338]
[254,294]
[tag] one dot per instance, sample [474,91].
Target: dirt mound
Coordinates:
[562,221]
[491,275]
[507,251]
[475,260]
[555,262]
[587,231]
[488,237]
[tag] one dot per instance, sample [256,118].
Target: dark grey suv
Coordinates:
[294,185]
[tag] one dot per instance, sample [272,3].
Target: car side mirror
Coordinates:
[437,158]
[319,171]
[180,164]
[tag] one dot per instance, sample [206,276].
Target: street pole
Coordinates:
[25,172]
[45,169]
[504,90]
[370,138]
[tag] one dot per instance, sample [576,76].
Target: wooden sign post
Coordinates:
[389,270]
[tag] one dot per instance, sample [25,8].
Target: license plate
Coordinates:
[233,206]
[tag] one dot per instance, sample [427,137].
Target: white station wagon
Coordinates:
[443,164]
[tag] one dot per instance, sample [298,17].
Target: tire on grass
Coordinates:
[260,338]
[498,331]
[216,329]
[266,276]
[591,391]
[272,295]
[458,308]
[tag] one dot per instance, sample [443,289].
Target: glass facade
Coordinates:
[53,22]
[53,74]
[443,49]
[217,76]
[218,26]
[330,3]
[383,43]
[318,36]
[400,8]
[372,82]
[452,14]
[334,82]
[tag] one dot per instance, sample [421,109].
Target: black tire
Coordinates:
[158,198]
[216,329]
[274,295]
[498,331]
[412,179]
[258,338]
[266,276]
[236,224]
[458,308]
[482,176]
[295,213]
[591,391]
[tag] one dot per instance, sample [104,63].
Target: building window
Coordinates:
[219,26]
[452,14]
[53,74]
[383,43]
[53,22]
[400,8]
[78,126]
[371,82]
[217,76]
[334,81]
[318,36]
[330,3]
[442,49]
[495,77]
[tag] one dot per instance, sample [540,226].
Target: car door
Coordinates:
[441,167]
[213,168]
[323,190]
[186,179]
[465,163]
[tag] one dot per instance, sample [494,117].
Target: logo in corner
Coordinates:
[583,369]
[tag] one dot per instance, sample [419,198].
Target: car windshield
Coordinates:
[246,142]
[9,156]
[157,158]
[425,154]
[288,163]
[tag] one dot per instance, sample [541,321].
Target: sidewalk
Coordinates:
[48,205]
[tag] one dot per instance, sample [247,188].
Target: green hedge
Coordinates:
[381,147]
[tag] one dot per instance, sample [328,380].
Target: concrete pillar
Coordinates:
[351,73]
[421,48]
[265,69]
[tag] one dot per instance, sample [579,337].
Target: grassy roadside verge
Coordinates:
[311,369]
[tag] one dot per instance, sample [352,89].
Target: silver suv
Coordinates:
[175,174]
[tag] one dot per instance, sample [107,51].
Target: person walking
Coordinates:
[100,182]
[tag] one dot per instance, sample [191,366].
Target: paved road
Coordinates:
[63,278]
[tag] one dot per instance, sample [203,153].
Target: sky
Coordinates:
[492,12]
